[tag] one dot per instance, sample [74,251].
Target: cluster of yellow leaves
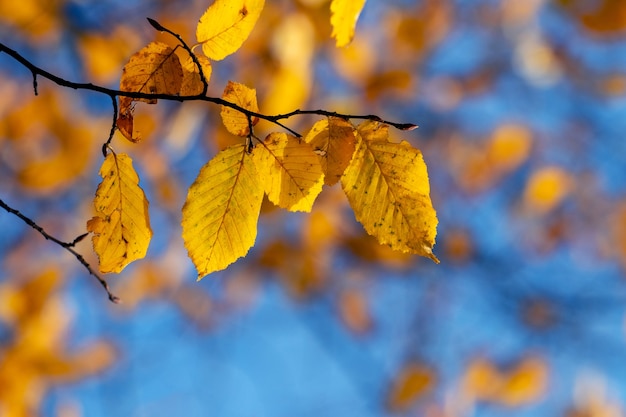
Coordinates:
[386,182]
[36,356]
[57,149]
[523,384]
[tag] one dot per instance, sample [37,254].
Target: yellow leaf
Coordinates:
[155,69]
[334,142]
[235,121]
[413,382]
[290,170]
[344,15]
[192,84]
[121,226]
[387,187]
[524,384]
[221,211]
[225,26]
[547,188]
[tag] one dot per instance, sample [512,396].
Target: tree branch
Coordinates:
[37,71]
[68,246]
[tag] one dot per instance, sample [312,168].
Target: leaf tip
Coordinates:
[429,253]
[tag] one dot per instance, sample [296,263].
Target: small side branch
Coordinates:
[68,246]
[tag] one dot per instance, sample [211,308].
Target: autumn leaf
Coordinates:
[521,385]
[235,121]
[387,187]
[411,384]
[121,226]
[155,69]
[222,209]
[192,83]
[226,24]
[291,173]
[344,15]
[333,140]
[354,310]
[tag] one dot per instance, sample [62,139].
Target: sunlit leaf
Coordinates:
[388,189]
[121,226]
[155,69]
[221,211]
[290,170]
[344,15]
[226,24]
[235,121]
[333,140]
[192,83]
[412,383]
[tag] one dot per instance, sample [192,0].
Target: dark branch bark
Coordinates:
[37,71]
[68,246]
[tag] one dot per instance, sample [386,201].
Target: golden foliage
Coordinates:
[155,69]
[235,121]
[291,173]
[49,143]
[387,187]
[344,15]
[479,167]
[36,357]
[121,226]
[192,83]
[413,382]
[600,17]
[221,211]
[226,24]
[546,189]
[523,384]
[333,140]
[354,310]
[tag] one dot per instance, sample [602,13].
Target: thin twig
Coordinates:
[68,246]
[35,70]
[161,28]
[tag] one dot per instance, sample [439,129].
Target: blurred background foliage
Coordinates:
[522,109]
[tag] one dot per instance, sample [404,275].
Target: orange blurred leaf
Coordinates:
[413,382]
[354,310]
